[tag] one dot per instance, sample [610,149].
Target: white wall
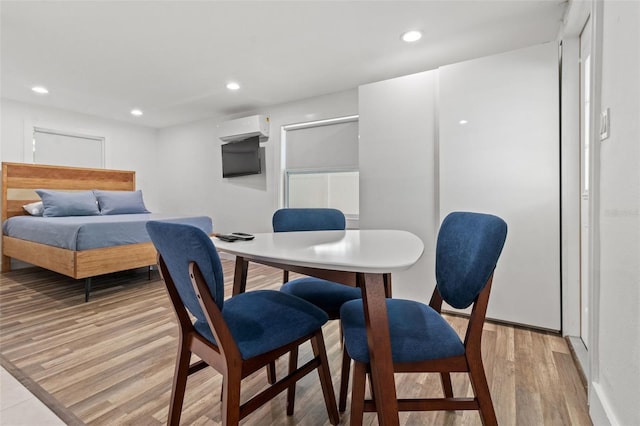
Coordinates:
[616,376]
[398,175]
[127,147]
[190,166]
[504,160]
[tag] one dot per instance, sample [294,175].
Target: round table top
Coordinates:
[368,251]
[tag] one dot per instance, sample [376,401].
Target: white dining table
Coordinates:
[364,258]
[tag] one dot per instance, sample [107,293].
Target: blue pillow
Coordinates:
[120,202]
[58,203]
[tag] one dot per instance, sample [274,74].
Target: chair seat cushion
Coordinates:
[263,320]
[418,332]
[326,295]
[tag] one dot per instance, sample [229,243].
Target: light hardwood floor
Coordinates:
[110,361]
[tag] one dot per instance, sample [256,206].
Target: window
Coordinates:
[321,165]
[67,149]
[335,189]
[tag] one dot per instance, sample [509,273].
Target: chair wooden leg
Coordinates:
[291,391]
[179,384]
[445,378]
[357,393]
[231,399]
[320,351]
[344,380]
[481,389]
[371,388]
[271,372]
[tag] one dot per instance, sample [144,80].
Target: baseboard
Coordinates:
[599,407]
[580,357]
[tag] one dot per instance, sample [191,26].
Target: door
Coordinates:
[585,120]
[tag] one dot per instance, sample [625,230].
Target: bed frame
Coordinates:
[19,181]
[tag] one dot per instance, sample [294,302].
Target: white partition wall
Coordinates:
[398,171]
[499,153]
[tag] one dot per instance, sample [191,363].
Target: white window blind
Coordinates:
[66,149]
[323,147]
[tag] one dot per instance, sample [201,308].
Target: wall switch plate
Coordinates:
[604,124]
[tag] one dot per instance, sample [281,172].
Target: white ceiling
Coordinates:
[172,59]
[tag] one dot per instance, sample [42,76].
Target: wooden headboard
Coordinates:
[20,180]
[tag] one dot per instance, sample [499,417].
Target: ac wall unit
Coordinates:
[243,128]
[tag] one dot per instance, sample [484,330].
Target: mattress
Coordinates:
[91,232]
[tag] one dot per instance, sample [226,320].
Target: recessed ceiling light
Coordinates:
[463,121]
[40,89]
[411,36]
[233,86]
[136,112]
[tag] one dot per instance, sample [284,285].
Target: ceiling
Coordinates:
[172,59]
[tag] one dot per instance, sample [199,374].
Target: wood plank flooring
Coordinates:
[110,361]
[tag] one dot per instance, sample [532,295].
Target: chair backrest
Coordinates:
[468,247]
[308,219]
[179,245]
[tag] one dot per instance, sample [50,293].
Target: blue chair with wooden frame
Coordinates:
[237,336]
[467,250]
[327,295]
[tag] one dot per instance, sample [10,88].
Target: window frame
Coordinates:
[284,194]
[31,128]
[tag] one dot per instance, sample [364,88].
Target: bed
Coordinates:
[41,241]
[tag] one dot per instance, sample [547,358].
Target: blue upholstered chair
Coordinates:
[236,336]
[326,295]
[467,250]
